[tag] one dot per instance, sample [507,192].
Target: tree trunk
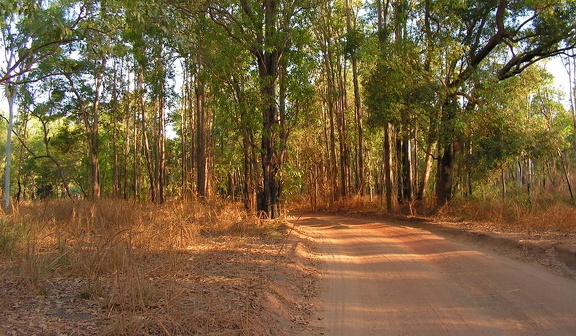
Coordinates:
[426,169]
[405,171]
[343,133]
[270,195]
[161,151]
[268,64]
[94,135]
[445,175]
[391,201]
[360,174]
[146,143]
[565,172]
[184,134]
[11,96]
[249,191]
[201,163]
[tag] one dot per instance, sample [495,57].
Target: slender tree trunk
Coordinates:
[135,153]
[201,163]
[566,174]
[192,131]
[184,135]
[391,202]
[116,185]
[343,133]
[249,185]
[94,135]
[360,175]
[570,65]
[91,122]
[146,143]
[11,96]
[161,151]
[333,162]
[388,176]
[406,169]
[21,194]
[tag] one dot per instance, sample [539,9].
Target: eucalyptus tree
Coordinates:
[329,30]
[31,33]
[149,33]
[86,70]
[399,93]
[354,40]
[513,34]
[44,133]
[569,62]
[235,97]
[264,28]
[551,129]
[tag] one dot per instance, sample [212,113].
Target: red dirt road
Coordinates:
[387,279]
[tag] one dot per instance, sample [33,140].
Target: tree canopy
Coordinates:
[270,100]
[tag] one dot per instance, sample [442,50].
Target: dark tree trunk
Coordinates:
[405,170]
[268,64]
[445,175]
[270,163]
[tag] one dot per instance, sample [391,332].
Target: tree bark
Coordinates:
[161,150]
[445,175]
[268,63]
[201,164]
[391,201]
[360,173]
[146,143]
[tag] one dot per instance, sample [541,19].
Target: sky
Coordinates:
[561,80]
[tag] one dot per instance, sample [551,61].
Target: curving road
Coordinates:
[386,279]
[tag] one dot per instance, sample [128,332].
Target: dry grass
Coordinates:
[116,267]
[535,218]
[543,215]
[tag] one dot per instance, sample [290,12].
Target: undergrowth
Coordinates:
[516,214]
[538,216]
[124,253]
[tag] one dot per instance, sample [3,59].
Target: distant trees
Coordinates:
[265,100]
[461,41]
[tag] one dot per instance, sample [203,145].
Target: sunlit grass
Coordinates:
[515,216]
[127,257]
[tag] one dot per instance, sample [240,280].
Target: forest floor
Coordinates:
[227,285]
[267,283]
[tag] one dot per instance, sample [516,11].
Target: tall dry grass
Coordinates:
[535,217]
[125,253]
[543,214]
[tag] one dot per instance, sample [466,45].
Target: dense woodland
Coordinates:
[263,101]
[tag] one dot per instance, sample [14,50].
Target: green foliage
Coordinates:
[515,119]
[420,73]
[399,89]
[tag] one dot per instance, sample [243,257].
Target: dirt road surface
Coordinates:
[389,279]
